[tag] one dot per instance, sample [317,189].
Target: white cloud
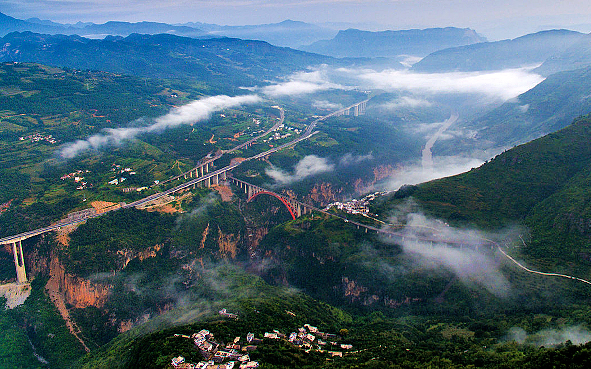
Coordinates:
[409,60]
[301,83]
[578,335]
[473,263]
[406,102]
[324,104]
[350,159]
[443,166]
[192,112]
[309,165]
[502,85]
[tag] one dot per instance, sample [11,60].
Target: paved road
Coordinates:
[241,146]
[35,232]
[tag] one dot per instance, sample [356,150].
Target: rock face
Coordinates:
[323,194]
[352,290]
[76,291]
[228,244]
[128,255]
[380,172]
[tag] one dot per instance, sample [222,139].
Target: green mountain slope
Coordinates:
[527,50]
[576,56]
[358,43]
[548,107]
[225,62]
[543,184]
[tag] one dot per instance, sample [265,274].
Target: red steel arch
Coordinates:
[287,204]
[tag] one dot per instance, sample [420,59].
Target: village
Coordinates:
[235,354]
[37,137]
[119,171]
[355,206]
[78,177]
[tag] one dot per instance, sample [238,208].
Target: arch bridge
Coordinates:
[296,208]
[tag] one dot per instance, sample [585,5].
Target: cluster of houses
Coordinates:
[355,206]
[310,338]
[37,137]
[235,355]
[278,136]
[120,171]
[217,356]
[78,178]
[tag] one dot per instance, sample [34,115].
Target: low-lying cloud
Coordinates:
[350,159]
[406,102]
[432,243]
[324,104]
[578,335]
[443,166]
[192,112]
[504,84]
[302,83]
[309,166]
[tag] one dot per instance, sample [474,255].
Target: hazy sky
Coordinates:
[493,18]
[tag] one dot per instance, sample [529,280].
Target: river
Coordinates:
[427,155]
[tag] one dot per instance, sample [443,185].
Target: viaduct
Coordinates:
[200,175]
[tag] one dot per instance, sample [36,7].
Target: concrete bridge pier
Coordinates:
[19,262]
[298,209]
[202,170]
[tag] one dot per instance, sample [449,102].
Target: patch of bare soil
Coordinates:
[225,192]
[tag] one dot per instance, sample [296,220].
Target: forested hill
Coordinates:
[354,42]
[544,183]
[526,50]
[548,107]
[221,61]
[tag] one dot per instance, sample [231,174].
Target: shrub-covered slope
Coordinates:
[544,184]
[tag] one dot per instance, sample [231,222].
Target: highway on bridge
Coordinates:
[306,134]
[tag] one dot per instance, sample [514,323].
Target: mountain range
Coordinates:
[294,34]
[130,288]
[546,108]
[415,42]
[9,24]
[529,50]
[222,61]
[287,33]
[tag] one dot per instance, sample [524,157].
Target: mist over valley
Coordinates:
[324,191]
